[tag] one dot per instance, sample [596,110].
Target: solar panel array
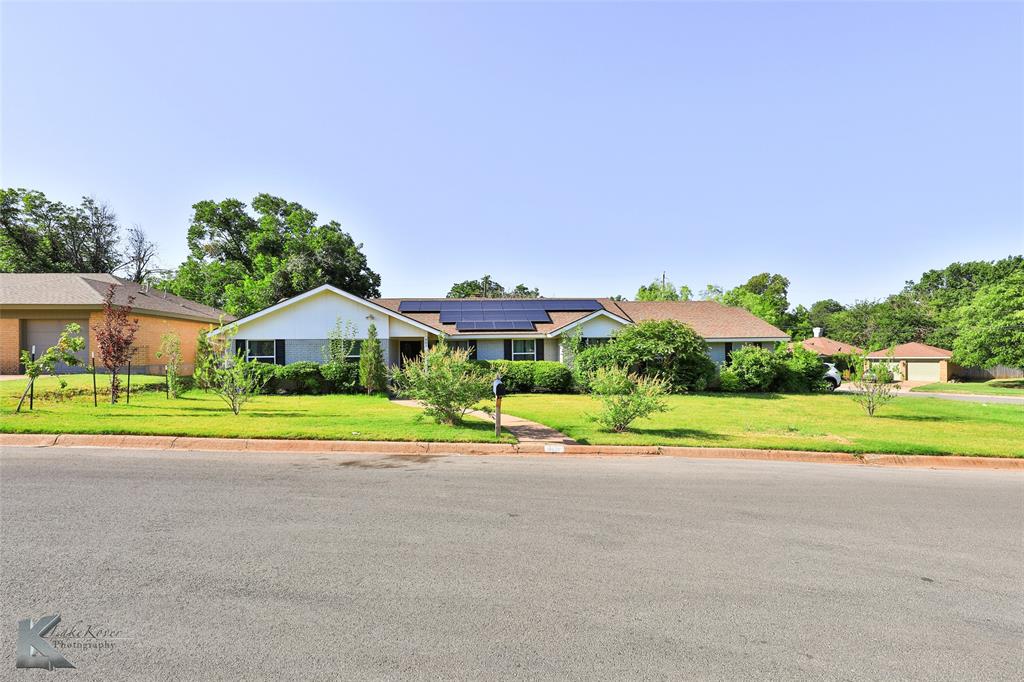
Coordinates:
[499,315]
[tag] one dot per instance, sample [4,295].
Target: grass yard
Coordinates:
[1012,387]
[796,422]
[325,417]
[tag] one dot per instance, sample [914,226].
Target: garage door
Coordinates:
[44,333]
[920,370]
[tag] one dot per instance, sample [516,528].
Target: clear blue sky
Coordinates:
[580,148]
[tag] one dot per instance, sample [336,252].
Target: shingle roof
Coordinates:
[913,350]
[87,290]
[827,347]
[709,319]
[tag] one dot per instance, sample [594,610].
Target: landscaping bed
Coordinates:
[822,422]
[333,417]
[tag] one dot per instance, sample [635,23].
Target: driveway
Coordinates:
[246,566]
[904,391]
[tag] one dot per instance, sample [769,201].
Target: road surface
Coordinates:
[245,566]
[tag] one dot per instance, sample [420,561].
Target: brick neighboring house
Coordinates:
[35,308]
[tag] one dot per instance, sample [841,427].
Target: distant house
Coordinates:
[35,308]
[917,362]
[826,348]
[490,329]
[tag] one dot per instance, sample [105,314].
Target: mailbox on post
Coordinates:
[499,390]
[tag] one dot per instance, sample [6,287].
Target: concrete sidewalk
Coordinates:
[524,430]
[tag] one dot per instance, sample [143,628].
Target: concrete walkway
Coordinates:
[524,430]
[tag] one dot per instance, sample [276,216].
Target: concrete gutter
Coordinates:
[190,444]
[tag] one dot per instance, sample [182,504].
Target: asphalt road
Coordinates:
[956,397]
[225,566]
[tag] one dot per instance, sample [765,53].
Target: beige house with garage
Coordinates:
[917,362]
[35,308]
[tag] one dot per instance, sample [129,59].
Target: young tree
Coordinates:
[237,380]
[170,352]
[341,342]
[373,375]
[445,380]
[874,385]
[116,336]
[626,397]
[68,343]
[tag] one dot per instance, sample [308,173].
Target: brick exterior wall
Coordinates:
[10,342]
[304,350]
[147,341]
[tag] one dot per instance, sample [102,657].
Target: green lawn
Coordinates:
[796,422]
[329,417]
[1014,387]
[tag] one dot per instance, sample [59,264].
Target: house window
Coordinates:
[261,351]
[468,346]
[353,352]
[524,349]
[595,341]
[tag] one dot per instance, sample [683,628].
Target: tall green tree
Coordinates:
[244,261]
[765,295]
[485,287]
[39,235]
[663,290]
[992,327]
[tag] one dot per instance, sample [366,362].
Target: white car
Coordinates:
[832,377]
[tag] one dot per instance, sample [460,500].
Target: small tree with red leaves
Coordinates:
[116,336]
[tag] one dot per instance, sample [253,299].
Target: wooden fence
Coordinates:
[982,374]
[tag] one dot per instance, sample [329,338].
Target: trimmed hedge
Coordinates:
[531,376]
[312,378]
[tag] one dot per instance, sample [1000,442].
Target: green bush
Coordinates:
[551,377]
[757,368]
[590,359]
[801,371]
[446,381]
[298,377]
[340,377]
[664,349]
[517,375]
[728,381]
[626,397]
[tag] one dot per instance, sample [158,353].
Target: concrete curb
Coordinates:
[187,444]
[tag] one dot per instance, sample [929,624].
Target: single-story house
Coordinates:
[826,348]
[36,307]
[917,362]
[490,329]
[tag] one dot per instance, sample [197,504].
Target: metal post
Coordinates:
[497,417]
[94,400]
[32,386]
[128,394]
[167,386]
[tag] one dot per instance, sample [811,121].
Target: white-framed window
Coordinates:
[353,351]
[524,349]
[595,340]
[468,346]
[261,350]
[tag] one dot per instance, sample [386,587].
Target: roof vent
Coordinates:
[817,331]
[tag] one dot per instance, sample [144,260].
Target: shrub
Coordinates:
[517,375]
[551,377]
[664,349]
[800,371]
[446,381]
[340,377]
[238,380]
[757,368]
[626,397]
[297,377]
[373,375]
[587,361]
[728,381]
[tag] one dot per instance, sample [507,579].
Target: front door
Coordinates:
[408,349]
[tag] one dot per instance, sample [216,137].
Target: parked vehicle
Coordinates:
[832,377]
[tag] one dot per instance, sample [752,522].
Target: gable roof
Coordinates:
[913,351]
[372,304]
[826,347]
[87,291]
[712,320]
